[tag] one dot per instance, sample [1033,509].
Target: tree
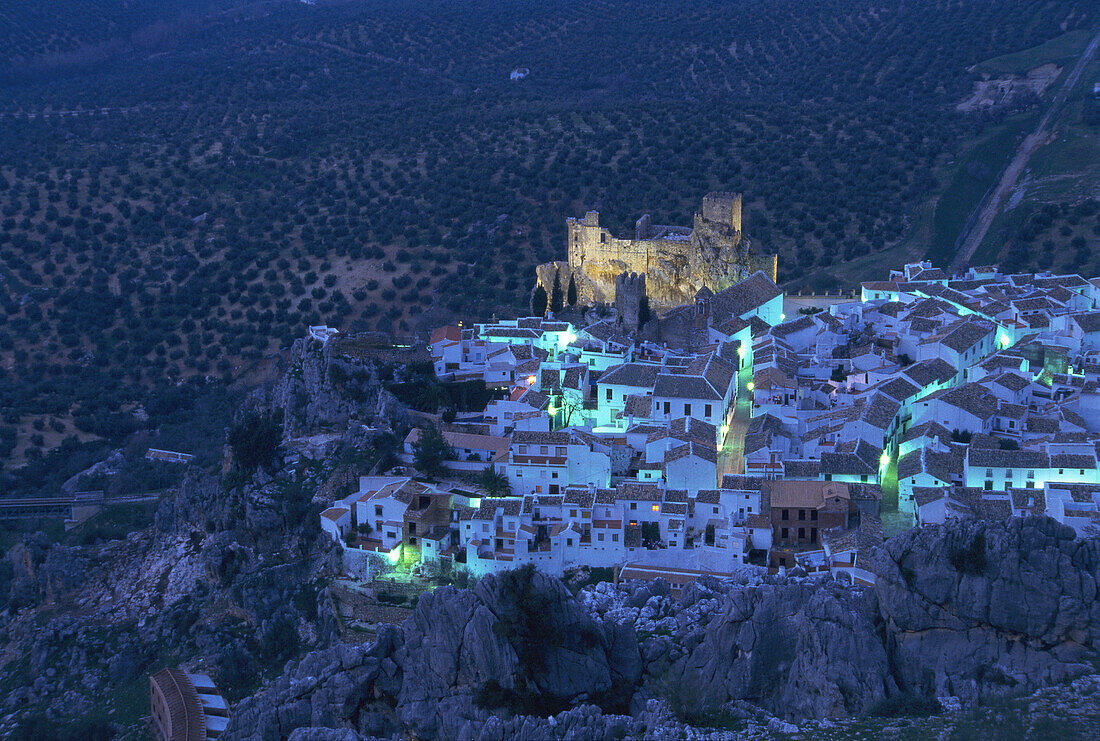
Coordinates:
[538,301]
[431,450]
[555,295]
[571,294]
[255,440]
[493,483]
[568,406]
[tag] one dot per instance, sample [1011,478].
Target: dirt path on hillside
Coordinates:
[978,225]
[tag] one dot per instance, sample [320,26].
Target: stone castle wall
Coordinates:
[722,208]
[629,292]
[677,260]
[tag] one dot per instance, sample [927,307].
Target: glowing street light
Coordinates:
[884,459]
[750,385]
[1005,341]
[530,380]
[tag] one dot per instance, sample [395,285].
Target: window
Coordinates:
[634,505]
[668,407]
[523,449]
[391,534]
[863,478]
[569,541]
[609,394]
[750,509]
[538,489]
[1031,474]
[484,527]
[543,450]
[813,534]
[378,510]
[715,510]
[802,514]
[553,474]
[989,473]
[813,515]
[572,513]
[656,508]
[687,410]
[614,537]
[559,452]
[786,514]
[801,533]
[828,477]
[599,537]
[783,534]
[706,410]
[412,527]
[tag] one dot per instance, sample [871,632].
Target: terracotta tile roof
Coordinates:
[749,294]
[639,492]
[454,334]
[784,493]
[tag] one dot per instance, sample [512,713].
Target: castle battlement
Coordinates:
[678,260]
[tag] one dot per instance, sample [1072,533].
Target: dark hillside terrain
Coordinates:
[186,184]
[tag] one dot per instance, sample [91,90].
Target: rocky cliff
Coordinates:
[974,609]
[963,612]
[232,575]
[331,384]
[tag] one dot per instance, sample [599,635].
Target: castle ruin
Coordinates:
[677,261]
[630,295]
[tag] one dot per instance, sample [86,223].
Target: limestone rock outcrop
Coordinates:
[796,650]
[963,611]
[974,609]
[521,634]
[328,384]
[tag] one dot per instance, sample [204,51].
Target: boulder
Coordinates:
[977,608]
[796,650]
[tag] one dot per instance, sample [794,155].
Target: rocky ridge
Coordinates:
[519,657]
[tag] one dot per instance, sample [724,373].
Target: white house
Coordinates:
[547,462]
[705,390]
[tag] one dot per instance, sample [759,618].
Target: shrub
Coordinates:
[905,705]
[431,450]
[692,709]
[971,559]
[255,440]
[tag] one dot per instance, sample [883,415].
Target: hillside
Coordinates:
[186,185]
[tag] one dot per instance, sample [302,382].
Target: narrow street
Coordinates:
[730,457]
